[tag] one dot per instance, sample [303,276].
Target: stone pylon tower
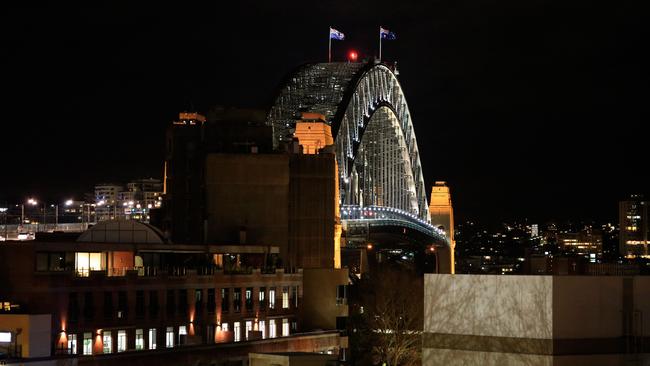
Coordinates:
[442,216]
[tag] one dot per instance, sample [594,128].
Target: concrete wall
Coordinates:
[587,307]
[501,306]
[536,320]
[319,308]
[248,191]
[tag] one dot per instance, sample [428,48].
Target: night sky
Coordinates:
[527,108]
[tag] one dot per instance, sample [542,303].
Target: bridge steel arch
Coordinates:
[376,147]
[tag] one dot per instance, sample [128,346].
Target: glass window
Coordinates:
[236,300]
[272,298]
[237,329]
[262,327]
[88,344]
[182,330]
[139,339]
[225,300]
[152,338]
[211,301]
[72,344]
[249,299]
[285,297]
[262,298]
[224,327]
[121,340]
[285,327]
[294,296]
[249,327]
[108,342]
[169,337]
[272,328]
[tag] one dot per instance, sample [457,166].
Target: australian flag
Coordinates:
[334,34]
[386,34]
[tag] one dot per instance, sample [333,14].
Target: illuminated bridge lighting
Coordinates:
[381,180]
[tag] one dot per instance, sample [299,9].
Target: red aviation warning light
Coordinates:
[352,56]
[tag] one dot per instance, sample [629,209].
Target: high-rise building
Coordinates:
[107,200]
[633,222]
[442,217]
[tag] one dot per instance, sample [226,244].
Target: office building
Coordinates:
[633,226]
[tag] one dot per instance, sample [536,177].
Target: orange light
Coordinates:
[369,246]
[352,56]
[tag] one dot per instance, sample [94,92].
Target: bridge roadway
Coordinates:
[376,222]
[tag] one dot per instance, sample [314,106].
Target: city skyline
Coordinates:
[525,110]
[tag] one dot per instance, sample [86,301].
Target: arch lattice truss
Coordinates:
[376,148]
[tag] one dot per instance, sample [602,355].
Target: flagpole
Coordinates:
[380,43]
[329,54]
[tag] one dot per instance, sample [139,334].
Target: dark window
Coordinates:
[182,302]
[236,301]
[153,304]
[108,305]
[122,305]
[294,296]
[341,294]
[249,299]
[171,303]
[41,262]
[198,302]
[211,301]
[225,300]
[139,304]
[89,307]
[73,307]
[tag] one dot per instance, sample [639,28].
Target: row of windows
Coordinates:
[241,331]
[177,301]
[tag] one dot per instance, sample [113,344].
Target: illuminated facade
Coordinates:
[123,287]
[442,216]
[587,241]
[633,225]
[380,175]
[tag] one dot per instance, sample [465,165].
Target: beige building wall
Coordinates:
[535,320]
[319,305]
[248,191]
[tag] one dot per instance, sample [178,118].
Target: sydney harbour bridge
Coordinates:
[382,189]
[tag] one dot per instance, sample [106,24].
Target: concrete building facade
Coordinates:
[535,320]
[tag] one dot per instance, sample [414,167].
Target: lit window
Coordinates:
[285,297]
[224,327]
[121,340]
[169,337]
[139,339]
[108,342]
[262,327]
[152,338]
[88,344]
[72,343]
[285,327]
[249,327]
[272,298]
[237,329]
[182,330]
[272,328]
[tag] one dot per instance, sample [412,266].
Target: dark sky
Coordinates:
[527,108]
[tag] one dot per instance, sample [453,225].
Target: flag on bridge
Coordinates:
[334,34]
[386,34]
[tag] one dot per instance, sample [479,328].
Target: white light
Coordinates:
[5,337]
[68,202]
